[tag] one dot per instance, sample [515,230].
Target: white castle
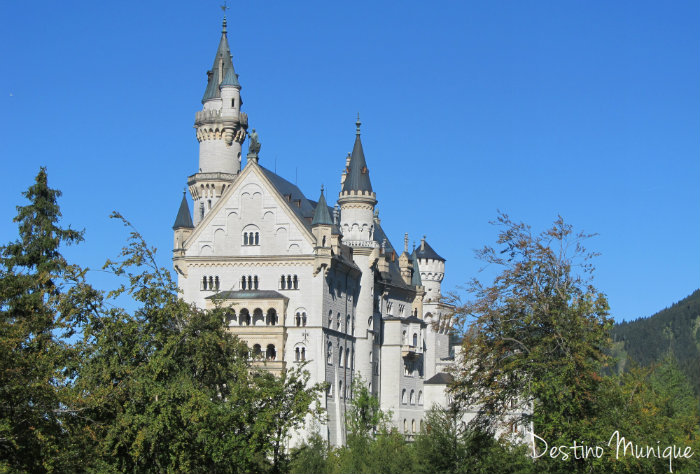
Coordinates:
[304,281]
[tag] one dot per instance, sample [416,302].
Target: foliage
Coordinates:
[538,333]
[168,389]
[676,328]
[36,283]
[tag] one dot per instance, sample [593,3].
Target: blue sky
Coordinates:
[584,109]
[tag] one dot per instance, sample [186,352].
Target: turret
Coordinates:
[322,229]
[221,129]
[357,200]
[432,270]
[182,229]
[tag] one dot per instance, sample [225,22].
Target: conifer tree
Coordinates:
[34,281]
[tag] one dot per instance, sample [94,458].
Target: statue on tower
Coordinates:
[254,145]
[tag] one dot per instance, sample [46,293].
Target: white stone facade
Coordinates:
[304,286]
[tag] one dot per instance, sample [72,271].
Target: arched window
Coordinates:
[289,282]
[271,353]
[405,426]
[329,355]
[347,356]
[244,319]
[412,398]
[420,398]
[413,426]
[216,283]
[257,238]
[243,283]
[257,351]
[297,354]
[211,282]
[271,317]
[340,388]
[330,389]
[415,339]
[303,319]
[303,353]
[330,319]
[296,282]
[337,325]
[404,338]
[245,238]
[369,322]
[204,282]
[258,318]
[348,329]
[403,396]
[352,359]
[283,285]
[297,319]
[340,357]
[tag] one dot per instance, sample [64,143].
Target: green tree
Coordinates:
[35,283]
[167,389]
[537,335]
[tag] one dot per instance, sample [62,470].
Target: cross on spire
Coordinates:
[224,7]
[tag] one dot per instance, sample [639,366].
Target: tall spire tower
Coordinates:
[221,129]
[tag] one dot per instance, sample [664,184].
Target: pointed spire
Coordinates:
[321,214]
[184,218]
[222,72]
[357,178]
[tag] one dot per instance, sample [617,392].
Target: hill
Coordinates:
[646,340]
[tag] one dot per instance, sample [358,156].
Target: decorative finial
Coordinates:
[358,123]
[223,25]
[321,189]
[184,191]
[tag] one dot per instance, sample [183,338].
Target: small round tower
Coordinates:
[432,270]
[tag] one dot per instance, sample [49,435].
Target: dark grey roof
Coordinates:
[321,215]
[247,295]
[427,252]
[216,75]
[305,210]
[231,78]
[357,178]
[415,278]
[440,378]
[394,274]
[184,218]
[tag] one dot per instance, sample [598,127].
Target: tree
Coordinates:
[536,336]
[167,388]
[35,284]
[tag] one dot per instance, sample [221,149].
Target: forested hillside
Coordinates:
[647,340]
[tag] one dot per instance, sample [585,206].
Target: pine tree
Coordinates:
[33,355]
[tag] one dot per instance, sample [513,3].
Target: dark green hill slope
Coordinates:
[646,340]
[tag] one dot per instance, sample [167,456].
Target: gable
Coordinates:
[251,218]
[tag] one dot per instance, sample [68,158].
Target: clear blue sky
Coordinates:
[585,109]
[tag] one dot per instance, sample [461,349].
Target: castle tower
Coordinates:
[357,201]
[432,270]
[221,129]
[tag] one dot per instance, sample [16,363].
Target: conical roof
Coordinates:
[415,278]
[184,218]
[357,178]
[222,70]
[321,214]
[425,251]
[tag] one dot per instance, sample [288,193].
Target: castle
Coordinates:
[304,281]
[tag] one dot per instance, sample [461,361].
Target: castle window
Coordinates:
[201,210]
[340,357]
[251,238]
[216,283]
[233,103]
[420,398]
[297,354]
[303,319]
[296,282]
[257,351]
[204,282]
[329,356]
[412,397]
[405,426]
[243,283]
[340,388]
[255,282]
[347,357]
[209,202]
[403,397]
[211,282]
[337,324]
[348,329]
[330,318]
[271,317]
[413,426]
[271,353]
[289,282]
[303,353]
[282,283]
[415,339]
[244,318]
